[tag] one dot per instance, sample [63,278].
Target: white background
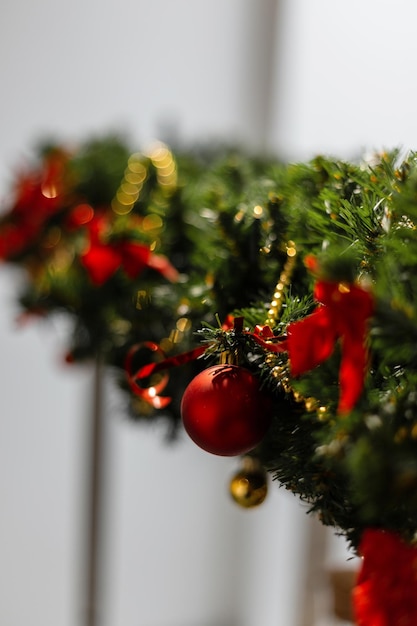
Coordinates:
[296,77]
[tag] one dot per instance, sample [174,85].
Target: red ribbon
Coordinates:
[38,196]
[342,316]
[151,394]
[386,590]
[263,335]
[102,260]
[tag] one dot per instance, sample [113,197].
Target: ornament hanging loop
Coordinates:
[229,357]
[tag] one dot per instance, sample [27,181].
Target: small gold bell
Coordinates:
[249,486]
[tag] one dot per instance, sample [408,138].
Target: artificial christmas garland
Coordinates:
[201,275]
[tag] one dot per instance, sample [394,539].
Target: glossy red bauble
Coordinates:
[224,410]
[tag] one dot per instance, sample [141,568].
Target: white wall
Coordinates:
[346,78]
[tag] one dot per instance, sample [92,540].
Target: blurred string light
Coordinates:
[164,163]
[135,176]
[128,195]
[131,186]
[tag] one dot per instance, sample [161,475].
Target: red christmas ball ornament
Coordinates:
[224,410]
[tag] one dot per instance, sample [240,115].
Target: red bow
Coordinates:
[386,590]
[343,315]
[39,195]
[102,260]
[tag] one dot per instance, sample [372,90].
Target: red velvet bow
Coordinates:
[38,196]
[102,260]
[386,590]
[343,315]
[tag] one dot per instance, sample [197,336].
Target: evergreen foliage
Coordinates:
[225,225]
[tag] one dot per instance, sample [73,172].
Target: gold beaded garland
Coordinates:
[281,372]
[129,189]
[284,280]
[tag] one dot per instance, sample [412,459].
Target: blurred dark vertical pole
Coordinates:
[94,505]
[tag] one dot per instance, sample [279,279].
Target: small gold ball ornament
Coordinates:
[249,486]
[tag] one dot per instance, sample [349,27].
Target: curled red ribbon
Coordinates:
[342,315]
[386,589]
[151,394]
[263,335]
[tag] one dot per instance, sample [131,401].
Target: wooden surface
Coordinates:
[342,582]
